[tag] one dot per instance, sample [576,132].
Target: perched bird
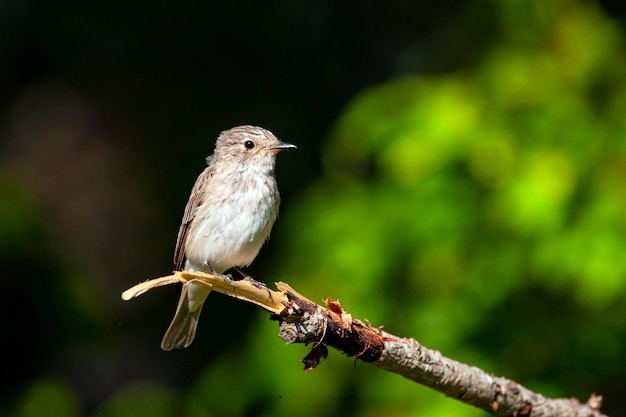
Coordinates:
[228,217]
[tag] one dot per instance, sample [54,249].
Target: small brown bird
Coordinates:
[228,217]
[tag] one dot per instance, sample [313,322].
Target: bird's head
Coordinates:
[249,145]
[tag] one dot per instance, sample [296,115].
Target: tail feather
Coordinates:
[182,330]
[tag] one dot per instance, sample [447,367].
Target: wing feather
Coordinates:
[195,200]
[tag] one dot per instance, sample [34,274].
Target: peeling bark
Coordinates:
[303,321]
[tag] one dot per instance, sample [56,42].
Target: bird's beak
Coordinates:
[281,146]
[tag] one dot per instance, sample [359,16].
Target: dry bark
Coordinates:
[303,321]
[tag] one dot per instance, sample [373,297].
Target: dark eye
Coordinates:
[248,144]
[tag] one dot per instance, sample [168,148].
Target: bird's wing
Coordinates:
[195,200]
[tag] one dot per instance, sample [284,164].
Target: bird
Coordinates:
[230,213]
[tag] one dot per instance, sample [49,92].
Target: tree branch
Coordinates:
[303,321]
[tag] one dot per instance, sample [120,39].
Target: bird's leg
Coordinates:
[258,284]
[227,277]
[243,273]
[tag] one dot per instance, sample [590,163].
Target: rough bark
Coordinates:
[303,321]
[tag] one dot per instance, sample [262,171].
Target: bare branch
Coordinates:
[303,321]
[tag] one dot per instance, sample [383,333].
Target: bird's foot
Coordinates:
[227,277]
[260,285]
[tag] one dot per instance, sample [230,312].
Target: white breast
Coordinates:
[234,221]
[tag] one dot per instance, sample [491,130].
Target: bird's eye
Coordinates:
[248,144]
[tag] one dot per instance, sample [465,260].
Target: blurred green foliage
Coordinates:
[482,212]
[47,397]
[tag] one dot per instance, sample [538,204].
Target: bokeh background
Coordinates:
[460,178]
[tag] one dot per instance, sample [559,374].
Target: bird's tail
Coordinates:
[182,330]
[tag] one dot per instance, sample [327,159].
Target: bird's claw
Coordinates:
[260,285]
[229,278]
